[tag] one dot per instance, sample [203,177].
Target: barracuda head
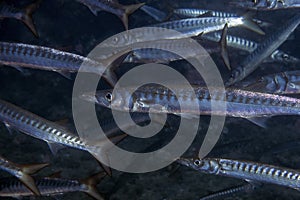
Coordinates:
[204,165]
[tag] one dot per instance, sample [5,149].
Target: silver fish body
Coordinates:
[230,192]
[49,186]
[22,172]
[35,126]
[196,12]
[162,51]
[196,26]
[279,83]
[239,103]
[249,46]
[44,58]
[269,4]
[245,170]
[265,49]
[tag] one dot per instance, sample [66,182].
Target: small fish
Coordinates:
[196,26]
[52,186]
[24,15]
[279,83]
[22,172]
[239,103]
[38,57]
[268,4]
[245,170]
[122,11]
[265,49]
[54,134]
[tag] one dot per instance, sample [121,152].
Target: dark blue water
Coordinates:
[70,26]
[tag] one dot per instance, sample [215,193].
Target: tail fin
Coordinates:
[129,9]
[251,25]
[27,180]
[99,151]
[26,17]
[91,183]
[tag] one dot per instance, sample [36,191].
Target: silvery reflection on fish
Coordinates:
[249,46]
[52,186]
[245,170]
[265,49]
[279,83]
[239,103]
[268,4]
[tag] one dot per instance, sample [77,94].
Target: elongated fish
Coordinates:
[198,12]
[268,4]
[112,6]
[50,132]
[52,186]
[279,83]
[197,26]
[265,49]
[249,46]
[22,172]
[44,58]
[24,15]
[240,103]
[157,54]
[242,189]
[245,170]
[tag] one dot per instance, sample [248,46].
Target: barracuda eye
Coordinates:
[116,40]
[197,162]
[108,96]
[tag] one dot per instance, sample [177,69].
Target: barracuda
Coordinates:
[44,58]
[196,12]
[240,103]
[265,49]
[24,15]
[112,6]
[245,170]
[269,4]
[250,46]
[154,52]
[50,132]
[197,26]
[22,172]
[52,186]
[280,83]
[231,191]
